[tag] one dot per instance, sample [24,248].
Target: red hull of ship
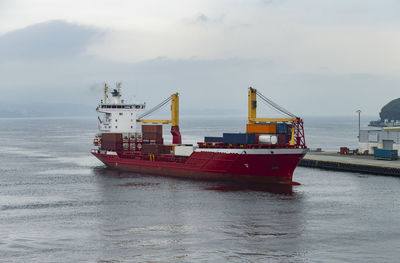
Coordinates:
[248,168]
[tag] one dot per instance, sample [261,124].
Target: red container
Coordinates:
[150,148]
[282,139]
[111,141]
[156,149]
[152,129]
[152,136]
[344,150]
[166,149]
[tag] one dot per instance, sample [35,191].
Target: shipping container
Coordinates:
[251,138]
[384,154]
[283,139]
[150,148]
[261,128]
[111,141]
[167,149]
[183,150]
[156,149]
[152,129]
[281,128]
[152,136]
[213,139]
[239,138]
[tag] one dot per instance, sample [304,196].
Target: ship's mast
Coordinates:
[105,92]
[119,92]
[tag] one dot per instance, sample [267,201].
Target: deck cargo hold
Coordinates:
[268,152]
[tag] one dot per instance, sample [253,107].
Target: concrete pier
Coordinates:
[351,163]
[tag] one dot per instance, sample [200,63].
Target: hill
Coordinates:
[391,111]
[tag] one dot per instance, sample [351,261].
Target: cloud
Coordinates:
[272,2]
[309,69]
[202,19]
[51,39]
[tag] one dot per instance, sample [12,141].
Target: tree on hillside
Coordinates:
[391,111]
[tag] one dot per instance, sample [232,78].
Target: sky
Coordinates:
[313,57]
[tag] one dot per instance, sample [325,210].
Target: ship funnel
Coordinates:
[116,93]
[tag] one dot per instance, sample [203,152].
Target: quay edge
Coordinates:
[351,164]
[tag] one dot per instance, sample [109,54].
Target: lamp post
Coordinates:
[359,123]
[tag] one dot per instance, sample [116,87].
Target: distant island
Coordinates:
[389,115]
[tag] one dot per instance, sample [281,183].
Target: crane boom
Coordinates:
[176,135]
[297,132]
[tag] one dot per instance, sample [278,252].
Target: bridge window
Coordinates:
[120,113]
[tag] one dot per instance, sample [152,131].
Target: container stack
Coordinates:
[153,142]
[262,130]
[152,134]
[111,142]
[260,133]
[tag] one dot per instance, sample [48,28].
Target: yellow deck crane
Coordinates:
[176,135]
[297,130]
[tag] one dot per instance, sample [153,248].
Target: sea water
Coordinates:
[60,204]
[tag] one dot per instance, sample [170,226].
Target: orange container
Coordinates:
[261,128]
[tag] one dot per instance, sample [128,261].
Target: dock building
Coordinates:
[387,138]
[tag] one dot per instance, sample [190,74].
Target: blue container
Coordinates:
[384,154]
[239,138]
[213,139]
[281,128]
[235,138]
[251,138]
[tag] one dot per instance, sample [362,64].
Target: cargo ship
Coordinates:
[268,152]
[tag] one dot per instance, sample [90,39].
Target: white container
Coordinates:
[267,139]
[183,150]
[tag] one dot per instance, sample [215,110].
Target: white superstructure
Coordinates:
[118,116]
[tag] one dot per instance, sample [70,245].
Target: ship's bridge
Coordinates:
[120,106]
[119,117]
